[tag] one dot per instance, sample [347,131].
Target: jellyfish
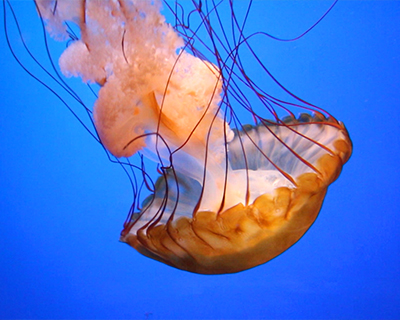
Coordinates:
[228,195]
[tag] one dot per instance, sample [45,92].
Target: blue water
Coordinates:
[62,203]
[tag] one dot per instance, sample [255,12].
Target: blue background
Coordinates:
[62,203]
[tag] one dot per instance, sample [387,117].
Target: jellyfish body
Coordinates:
[229,196]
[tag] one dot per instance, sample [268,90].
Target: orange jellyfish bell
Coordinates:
[229,196]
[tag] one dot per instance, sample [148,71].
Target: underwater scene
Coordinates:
[199,159]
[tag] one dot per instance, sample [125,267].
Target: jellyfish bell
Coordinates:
[245,232]
[229,196]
